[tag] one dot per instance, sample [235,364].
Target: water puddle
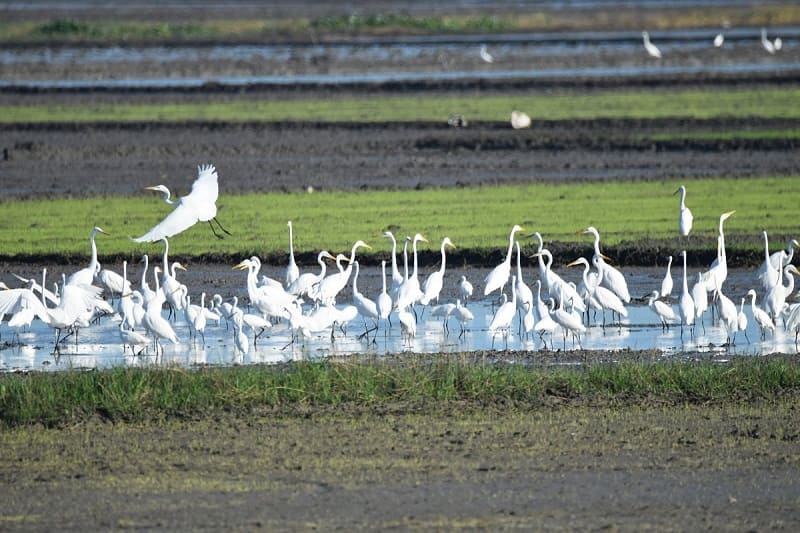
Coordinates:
[100,347]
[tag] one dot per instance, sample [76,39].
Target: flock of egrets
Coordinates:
[314,303]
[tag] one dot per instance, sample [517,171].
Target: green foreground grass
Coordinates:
[476,219]
[135,394]
[759,102]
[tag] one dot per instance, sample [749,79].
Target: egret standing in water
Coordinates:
[498,277]
[685,303]
[292,271]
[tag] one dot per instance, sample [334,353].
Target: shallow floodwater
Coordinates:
[100,347]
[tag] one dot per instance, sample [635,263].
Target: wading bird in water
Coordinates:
[197,206]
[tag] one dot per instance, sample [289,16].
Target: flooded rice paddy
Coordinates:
[99,346]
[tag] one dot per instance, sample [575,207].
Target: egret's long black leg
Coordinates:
[221,226]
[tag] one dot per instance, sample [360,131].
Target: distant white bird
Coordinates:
[606,298]
[780,259]
[719,40]
[763,320]
[685,303]
[611,278]
[366,308]
[520,120]
[409,292]
[485,55]
[743,319]
[652,49]
[569,321]
[131,338]
[498,277]
[157,325]
[85,276]
[664,312]
[666,283]
[435,280]
[292,272]
[728,314]
[304,284]
[768,273]
[464,289]
[524,293]
[504,315]
[200,205]
[685,217]
[397,277]
[463,315]
[383,303]
[408,324]
[700,299]
[777,44]
[766,43]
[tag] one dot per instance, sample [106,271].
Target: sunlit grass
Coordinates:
[132,394]
[760,102]
[475,218]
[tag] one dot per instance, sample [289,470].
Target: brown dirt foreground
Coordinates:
[561,467]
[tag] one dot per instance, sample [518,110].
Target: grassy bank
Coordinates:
[380,24]
[476,219]
[135,394]
[761,102]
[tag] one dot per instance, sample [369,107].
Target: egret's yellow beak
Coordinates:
[241,266]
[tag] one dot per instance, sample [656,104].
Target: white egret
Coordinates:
[666,283]
[147,292]
[292,271]
[719,39]
[464,289]
[742,319]
[718,273]
[685,303]
[85,276]
[664,312]
[767,273]
[239,336]
[197,206]
[332,285]
[504,315]
[271,299]
[397,277]
[569,322]
[444,311]
[498,277]
[652,50]
[409,292]
[611,277]
[777,43]
[463,315]
[305,282]
[156,324]
[408,324]
[763,320]
[780,259]
[520,120]
[544,322]
[485,55]
[775,297]
[700,299]
[132,338]
[524,293]
[766,43]
[604,297]
[556,284]
[685,217]
[383,303]
[435,280]
[728,314]
[116,284]
[366,308]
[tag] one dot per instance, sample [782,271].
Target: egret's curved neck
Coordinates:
[44,281]
[441,268]
[355,279]
[93,262]
[685,283]
[383,274]
[405,260]
[414,245]
[291,241]
[144,272]
[510,246]
[683,198]
[166,258]
[596,244]
[766,246]
[789,287]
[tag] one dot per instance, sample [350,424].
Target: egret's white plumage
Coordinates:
[305,283]
[766,43]
[383,302]
[197,206]
[666,283]
[520,120]
[763,320]
[85,276]
[685,217]
[435,280]
[485,55]
[464,289]
[292,271]
[611,277]
[685,303]
[664,312]
[652,50]
[498,277]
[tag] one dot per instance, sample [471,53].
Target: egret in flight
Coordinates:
[197,206]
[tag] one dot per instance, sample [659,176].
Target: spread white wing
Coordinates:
[198,206]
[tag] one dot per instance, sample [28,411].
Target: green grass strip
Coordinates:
[476,218]
[133,394]
[762,102]
[725,135]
